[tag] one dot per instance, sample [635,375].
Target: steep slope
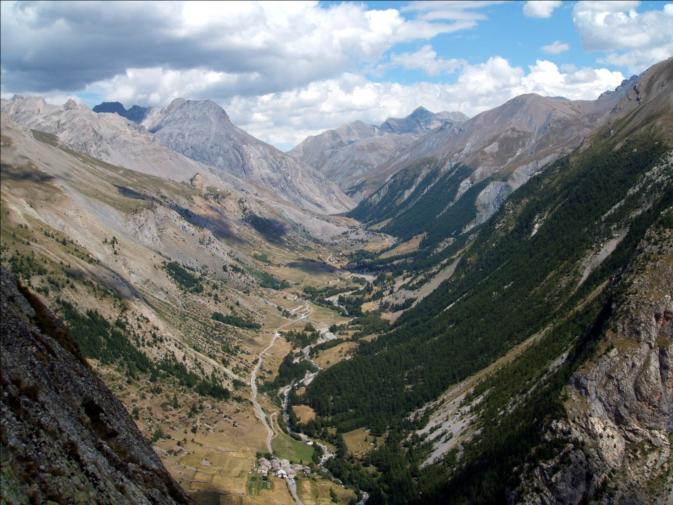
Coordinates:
[612,442]
[65,437]
[201,130]
[352,154]
[461,383]
[170,290]
[478,164]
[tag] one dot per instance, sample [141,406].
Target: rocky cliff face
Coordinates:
[614,444]
[65,437]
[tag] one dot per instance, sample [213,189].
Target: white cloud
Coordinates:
[286,118]
[425,59]
[630,38]
[157,86]
[556,47]
[546,78]
[463,13]
[541,8]
[283,71]
[261,46]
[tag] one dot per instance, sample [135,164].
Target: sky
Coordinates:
[284,71]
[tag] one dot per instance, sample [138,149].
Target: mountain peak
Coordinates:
[72,105]
[114,107]
[202,131]
[420,120]
[207,107]
[420,111]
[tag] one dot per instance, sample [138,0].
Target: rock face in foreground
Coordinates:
[65,437]
[614,444]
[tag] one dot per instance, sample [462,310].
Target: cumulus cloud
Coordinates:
[284,71]
[256,47]
[556,47]
[630,38]
[427,60]
[541,8]
[286,118]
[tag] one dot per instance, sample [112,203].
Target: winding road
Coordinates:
[259,411]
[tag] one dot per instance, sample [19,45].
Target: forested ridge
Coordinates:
[521,276]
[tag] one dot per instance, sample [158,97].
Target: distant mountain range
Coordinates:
[457,176]
[351,154]
[136,113]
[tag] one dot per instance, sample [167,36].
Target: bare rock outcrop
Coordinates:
[614,444]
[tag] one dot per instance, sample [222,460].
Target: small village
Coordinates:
[281,468]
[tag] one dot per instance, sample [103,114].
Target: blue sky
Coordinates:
[506,31]
[285,71]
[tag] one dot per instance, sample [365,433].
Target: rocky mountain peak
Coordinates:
[202,131]
[420,112]
[624,86]
[22,107]
[420,120]
[114,107]
[72,105]
[208,107]
[204,114]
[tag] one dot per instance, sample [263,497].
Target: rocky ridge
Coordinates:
[136,113]
[119,142]
[106,136]
[505,146]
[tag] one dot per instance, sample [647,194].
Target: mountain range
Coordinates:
[436,309]
[183,139]
[136,113]
[351,154]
